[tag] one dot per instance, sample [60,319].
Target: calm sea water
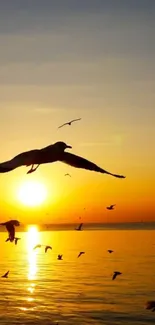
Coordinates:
[42,290]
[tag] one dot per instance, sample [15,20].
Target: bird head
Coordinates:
[62,145]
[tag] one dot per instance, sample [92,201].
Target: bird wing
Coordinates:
[47,247]
[37,246]
[79,162]
[23,159]
[6,274]
[77,119]
[11,230]
[62,125]
[114,276]
[79,255]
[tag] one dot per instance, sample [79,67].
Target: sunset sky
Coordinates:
[61,60]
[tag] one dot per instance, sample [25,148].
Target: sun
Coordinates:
[32,193]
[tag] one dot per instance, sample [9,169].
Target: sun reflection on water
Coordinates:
[32,240]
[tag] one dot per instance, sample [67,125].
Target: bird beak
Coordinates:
[69,147]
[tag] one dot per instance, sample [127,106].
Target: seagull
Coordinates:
[81,253]
[69,123]
[5,275]
[10,226]
[59,257]
[47,247]
[111,207]
[116,274]
[79,227]
[110,251]
[68,175]
[52,153]
[37,246]
[150,305]
[16,240]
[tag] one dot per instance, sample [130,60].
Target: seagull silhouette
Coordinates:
[110,251]
[150,305]
[59,257]
[116,274]
[68,175]
[37,246]
[111,207]
[47,247]
[79,227]
[10,226]
[5,275]
[51,154]
[69,123]
[16,240]
[81,253]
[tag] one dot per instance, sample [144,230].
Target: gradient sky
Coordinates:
[91,59]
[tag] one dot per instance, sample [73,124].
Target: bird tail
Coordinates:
[83,163]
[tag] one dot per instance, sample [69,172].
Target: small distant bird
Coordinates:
[16,240]
[110,251]
[111,207]
[59,257]
[10,226]
[68,175]
[37,246]
[47,247]
[150,305]
[116,274]
[79,227]
[69,123]
[81,253]
[50,154]
[5,275]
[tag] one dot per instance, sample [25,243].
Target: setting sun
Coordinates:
[32,193]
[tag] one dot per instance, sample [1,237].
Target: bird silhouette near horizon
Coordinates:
[10,226]
[150,305]
[79,227]
[110,251]
[68,175]
[47,247]
[69,123]
[5,275]
[81,253]
[116,273]
[50,154]
[59,257]
[37,246]
[111,207]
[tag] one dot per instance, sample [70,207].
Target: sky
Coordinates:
[94,60]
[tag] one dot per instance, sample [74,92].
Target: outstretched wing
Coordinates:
[62,125]
[47,247]
[77,119]
[79,162]
[114,276]
[23,159]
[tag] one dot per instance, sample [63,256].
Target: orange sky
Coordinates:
[85,62]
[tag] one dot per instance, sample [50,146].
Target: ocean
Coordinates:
[43,290]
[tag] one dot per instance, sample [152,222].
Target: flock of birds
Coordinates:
[50,154]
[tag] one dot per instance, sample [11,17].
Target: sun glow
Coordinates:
[32,193]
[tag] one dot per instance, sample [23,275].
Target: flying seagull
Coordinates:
[37,246]
[68,175]
[150,305]
[69,123]
[10,226]
[110,251]
[59,257]
[79,227]
[111,207]
[47,247]
[5,275]
[52,153]
[116,274]
[81,253]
